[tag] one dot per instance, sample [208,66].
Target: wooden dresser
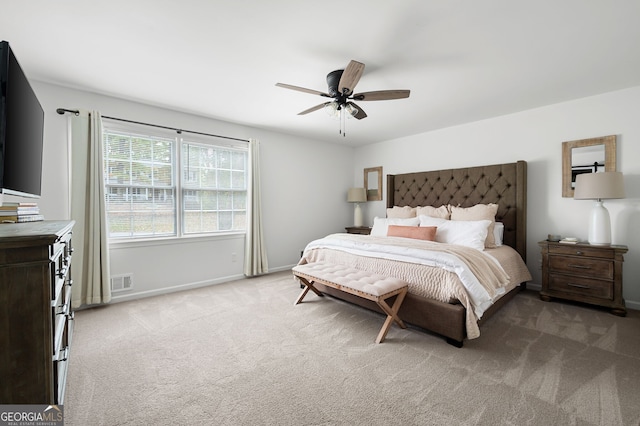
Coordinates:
[36,320]
[583,273]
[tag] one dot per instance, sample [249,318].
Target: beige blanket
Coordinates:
[429,281]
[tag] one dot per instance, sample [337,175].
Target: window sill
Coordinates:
[185,239]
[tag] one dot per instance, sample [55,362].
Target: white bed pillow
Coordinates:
[431,221]
[381,225]
[498,233]
[477,212]
[469,233]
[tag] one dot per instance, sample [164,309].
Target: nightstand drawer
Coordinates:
[363,230]
[580,250]
[594,268]
[581,286]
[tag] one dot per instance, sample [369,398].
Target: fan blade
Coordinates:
[360,114]
[315,108]
[350,77]
[381,95]
[302,89]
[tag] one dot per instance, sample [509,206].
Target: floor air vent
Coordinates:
[121,282]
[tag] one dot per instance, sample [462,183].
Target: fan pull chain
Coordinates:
[344,124]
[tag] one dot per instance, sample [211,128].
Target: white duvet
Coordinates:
[481,275]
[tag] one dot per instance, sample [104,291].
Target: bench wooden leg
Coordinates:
[355,288]
[392,315]
[307,286]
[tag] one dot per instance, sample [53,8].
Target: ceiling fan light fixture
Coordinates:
[332,109]
[353,111]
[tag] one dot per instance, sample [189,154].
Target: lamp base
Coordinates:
[357,216]
[599,225]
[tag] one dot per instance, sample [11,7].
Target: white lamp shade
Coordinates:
[357,195]
[599,186]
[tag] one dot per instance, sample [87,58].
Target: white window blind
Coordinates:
[214,189]
[161,185]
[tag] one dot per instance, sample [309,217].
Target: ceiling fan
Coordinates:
[341,84]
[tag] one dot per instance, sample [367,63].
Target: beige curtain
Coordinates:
[255,253]
[90,269]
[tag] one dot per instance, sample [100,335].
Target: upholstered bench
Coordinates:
[367,285]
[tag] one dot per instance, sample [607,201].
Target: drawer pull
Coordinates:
[63,355]
[578,285]
[63,310]
[62,272]
[579,266]
[579,253]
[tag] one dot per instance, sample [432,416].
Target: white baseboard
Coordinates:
[283,268]
[139,295]
[166,290]
[172,289]
[534,286]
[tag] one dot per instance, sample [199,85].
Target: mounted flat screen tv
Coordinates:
[21,130]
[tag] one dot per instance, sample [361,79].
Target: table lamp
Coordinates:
[598,187]
[357,195]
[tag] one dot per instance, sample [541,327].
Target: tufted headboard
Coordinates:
[502,184]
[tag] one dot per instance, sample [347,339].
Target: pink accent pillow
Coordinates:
[417,232]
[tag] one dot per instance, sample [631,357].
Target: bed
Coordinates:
[451,316]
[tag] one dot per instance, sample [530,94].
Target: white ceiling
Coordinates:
[464,60]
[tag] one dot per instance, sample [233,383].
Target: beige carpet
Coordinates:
[241,353]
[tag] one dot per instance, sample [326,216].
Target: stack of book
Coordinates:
[569,240]
[20,212]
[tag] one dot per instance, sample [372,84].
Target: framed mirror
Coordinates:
[586,156]
[373,183]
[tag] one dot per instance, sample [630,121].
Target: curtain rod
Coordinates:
[61,111]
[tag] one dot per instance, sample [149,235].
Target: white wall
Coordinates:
[304,184]
[305,181]
[535,136]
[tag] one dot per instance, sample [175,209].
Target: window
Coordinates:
[214,188]
[149,174]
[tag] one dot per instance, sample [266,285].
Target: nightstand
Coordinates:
[364,230]
[583,273]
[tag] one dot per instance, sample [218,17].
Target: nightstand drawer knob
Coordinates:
[579,252]
[578,285]
[579,266]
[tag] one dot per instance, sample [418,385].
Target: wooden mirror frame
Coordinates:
[371,195]
[609,143]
